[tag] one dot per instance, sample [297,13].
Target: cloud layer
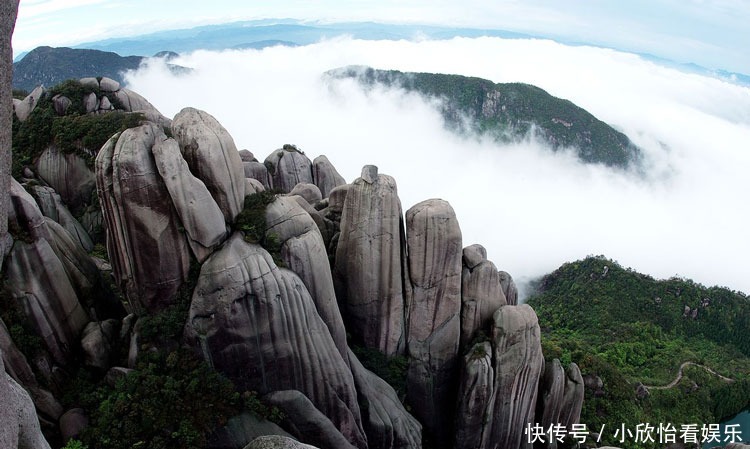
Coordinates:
[532,209]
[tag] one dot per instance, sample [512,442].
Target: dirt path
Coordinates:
[679,377]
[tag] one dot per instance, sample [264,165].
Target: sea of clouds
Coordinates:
[687,214]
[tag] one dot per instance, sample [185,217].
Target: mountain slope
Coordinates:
[50,66]
[509,112]
[630,330]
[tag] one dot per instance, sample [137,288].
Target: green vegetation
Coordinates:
[510,112]
[167,402]
[628,328]
[76,132]
[391,369]
[252,222]
[21,330]
[75,444]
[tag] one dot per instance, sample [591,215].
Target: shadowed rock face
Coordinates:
[518,363]
[387,424]
[8,12]
[288,167]
[276,442]
[150,256]
[370,264]
[19,425]
[551,390]
[434,240]
[474,395]
[481,292]
[325,175]
[572,402]
[68,174]
[258,325]
[303,251]
[213,158]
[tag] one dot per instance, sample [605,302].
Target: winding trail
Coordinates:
[679,377]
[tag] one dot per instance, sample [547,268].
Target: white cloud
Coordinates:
[533,210]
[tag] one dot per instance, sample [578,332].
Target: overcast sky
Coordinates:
[712,33]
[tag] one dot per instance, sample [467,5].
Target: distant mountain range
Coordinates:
[50,66]
[509,112]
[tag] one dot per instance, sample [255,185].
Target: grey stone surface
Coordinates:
[288,167]
[53,207]
[435,250]
[98,342]
[509,288]
[310,192]
[259,172]
[305,422]
[69,175]
[19,425]
[213,158]
[481,293]
[259,326]
[150,256]
[242,429]
[475,393]
[369,264]
[199,214]
[25,107]
[572,403]
[325,175]
[72,423]
[108,85]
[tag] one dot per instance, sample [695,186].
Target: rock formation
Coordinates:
[474,395]
[481,292]
[434,242]
[572,403]
[8,12]
[288,167]
[19,425]
[325,175]
[276,442]
[212,156]
[258,325]
[370,263]
[150,256]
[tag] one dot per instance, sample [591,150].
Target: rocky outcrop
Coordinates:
[325,175]
[370,265]
[303,251]
[509,288]
[474,398]
[288,167]
[551,390]
[240,430]
[19,425]
[213,158]
[8,12]
[305,422]
[276,442]
[258,325]
[572,402]
[256,170]
[386,422]
[434,242]
[69,175]
[150,256]
[481,292]
[19,369]
[25,107]
[98,343]
[39,280]
[53,207]
[310,192]
[198,212]
[518,362]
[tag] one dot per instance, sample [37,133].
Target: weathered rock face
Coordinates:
[474,398]
[98,342]
[288,167]
[38,279]
[19,425]
[53,207]
[481,292]
[259,172]
[8,12]
[240,430]
[306,422]
[258,325]
[518,362]
[303,251]
[198,212]
[325,175]
[572,402]
[310,192]
[370,265]
[19,369]
[25,107]
[434,240]
[387,424]
[551,390]
[509,288]
[212,156]
[150,256]
[69,175]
